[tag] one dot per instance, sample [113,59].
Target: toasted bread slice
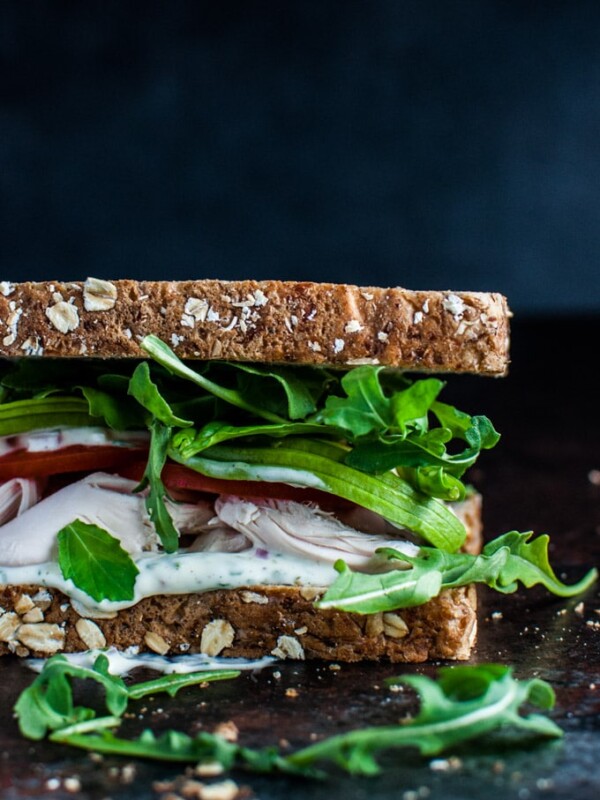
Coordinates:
[289,322]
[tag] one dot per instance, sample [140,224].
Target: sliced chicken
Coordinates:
[289,527]
[17,496]
[98,499]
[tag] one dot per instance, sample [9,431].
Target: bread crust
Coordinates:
[274,321]
[250,623]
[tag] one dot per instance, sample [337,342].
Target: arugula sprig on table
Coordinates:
[464,704]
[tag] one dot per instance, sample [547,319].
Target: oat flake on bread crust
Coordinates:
[273,321]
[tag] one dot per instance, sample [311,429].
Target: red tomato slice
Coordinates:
[76,458]
[179,479]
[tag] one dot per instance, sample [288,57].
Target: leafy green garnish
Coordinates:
[464,704]
[47,705]
[503,563]
[95,562]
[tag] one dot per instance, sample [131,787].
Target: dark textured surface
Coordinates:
[537,477]
[424,143]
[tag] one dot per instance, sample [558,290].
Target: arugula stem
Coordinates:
[172,683]
[84,727]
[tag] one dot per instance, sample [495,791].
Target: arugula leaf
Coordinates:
[179,747]
[435,482]
[145,391]
[47,704]
[190,442]
[502,564]
[95,562]
[302,387]
[163,354]
[425,450]
[309,463]
[160,436]
[477,431]
[119,413]
[367,409]
[20,416]
[465,704]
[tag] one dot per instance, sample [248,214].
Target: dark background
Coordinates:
[433,144]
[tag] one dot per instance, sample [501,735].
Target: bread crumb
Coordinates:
[497,615]
[594,477]
[579,609]
[227,730]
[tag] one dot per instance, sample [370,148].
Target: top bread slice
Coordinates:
[283,322]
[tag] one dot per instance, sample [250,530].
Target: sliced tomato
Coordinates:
[76,458]
[179,479]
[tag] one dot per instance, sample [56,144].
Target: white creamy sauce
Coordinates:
[43,441]
[186,573]
[122,663]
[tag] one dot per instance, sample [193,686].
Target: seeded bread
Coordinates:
[250,623]
[273,321]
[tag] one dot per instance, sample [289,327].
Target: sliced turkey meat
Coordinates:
[17,496]
[289,527]
[99,499]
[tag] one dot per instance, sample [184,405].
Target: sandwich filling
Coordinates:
[119,481]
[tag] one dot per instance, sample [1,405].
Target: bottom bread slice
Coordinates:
[251,622]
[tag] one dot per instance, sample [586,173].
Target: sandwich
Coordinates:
[245,468]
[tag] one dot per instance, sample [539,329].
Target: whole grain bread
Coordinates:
[273,321]
[250,623]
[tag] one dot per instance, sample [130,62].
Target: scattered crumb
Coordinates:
[72,784]
[497,615]
[334,667]
[277,675]
[209,769]
[291,692]
[579,609]
[445,764]
[592,623]
[594,477]
[227,730]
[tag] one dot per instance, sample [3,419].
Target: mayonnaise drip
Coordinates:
[122,663]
